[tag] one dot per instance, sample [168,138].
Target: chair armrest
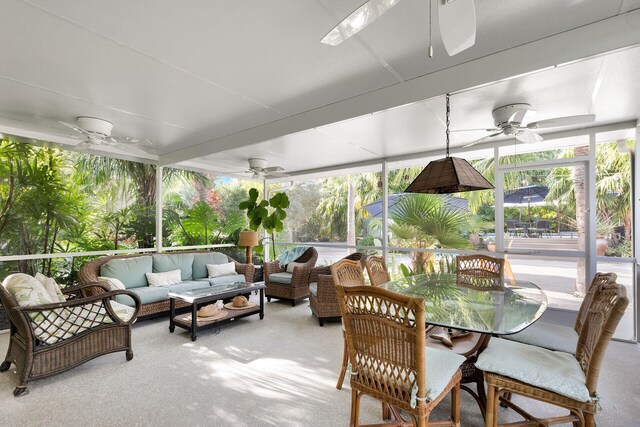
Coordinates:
[86,289]
[326,289]
[271,268]
[300,276]
[248,270]
[316,271]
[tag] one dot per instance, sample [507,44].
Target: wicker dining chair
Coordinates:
[323,299]
[558,337]
[480,272]
[558,378]
[346,272]
[389,358]
[377,270]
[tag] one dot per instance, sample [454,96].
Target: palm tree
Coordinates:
[423,221]
[137,180]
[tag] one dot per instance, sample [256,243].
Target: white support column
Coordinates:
[159,170]
[498,200]
[385,210]
[590,203]
[265,236]
[635,199]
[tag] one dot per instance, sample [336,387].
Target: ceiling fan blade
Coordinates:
[457,24]
[478,141]
[130,140]
[77,129]
[273,169]
[563,121]
[358,20]
[528,137]
[85,145]
[276,175]
[476,130]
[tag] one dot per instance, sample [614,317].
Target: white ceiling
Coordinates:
[214,83]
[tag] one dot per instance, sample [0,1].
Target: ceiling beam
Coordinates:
[604,36]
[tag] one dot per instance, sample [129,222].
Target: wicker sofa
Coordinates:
[154,299]
[323,298]
[47,338]
[292,286]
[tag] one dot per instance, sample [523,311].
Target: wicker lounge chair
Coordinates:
[323,299]
[403,377]
[558,378]
[377,270]
[292,286]
[48,339]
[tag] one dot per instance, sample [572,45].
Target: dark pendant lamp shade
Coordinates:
[448,175]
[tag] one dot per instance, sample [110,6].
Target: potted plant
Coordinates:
[258,213]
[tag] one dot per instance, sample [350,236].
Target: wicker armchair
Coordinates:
[323,299]
[298,286]
[89,274]
[480,272]
[389,359]
[377,270]
[560,379]
[77,330]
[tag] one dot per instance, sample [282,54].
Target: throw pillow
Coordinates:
[293,265]
[113,283]
[27,290]
[217,270]
[52,288]
[164,279]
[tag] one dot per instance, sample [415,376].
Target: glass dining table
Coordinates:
[463,318]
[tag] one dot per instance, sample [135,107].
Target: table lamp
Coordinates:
[248,239]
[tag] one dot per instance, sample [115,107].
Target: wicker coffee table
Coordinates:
[198,297]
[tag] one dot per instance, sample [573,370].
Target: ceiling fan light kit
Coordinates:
[448,175]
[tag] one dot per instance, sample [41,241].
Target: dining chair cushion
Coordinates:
[555,371]
[547,335]
[284,278]
[313,288]
[440,366]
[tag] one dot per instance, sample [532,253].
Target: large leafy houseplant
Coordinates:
[258,213]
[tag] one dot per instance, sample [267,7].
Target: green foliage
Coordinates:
[259,215]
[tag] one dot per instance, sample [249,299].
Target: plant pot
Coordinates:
[601,246]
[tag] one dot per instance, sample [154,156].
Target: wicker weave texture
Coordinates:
[602,317]
[385,334]
[81,337]
[299,287]
[599,280]
[480,272]
[377,270]
[89,274]
[347,272]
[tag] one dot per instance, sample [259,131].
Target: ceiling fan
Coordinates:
[509,121]
[98,132]
[260,170]
[457,19]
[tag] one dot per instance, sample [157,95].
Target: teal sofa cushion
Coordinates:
[225,280]
[284,278]
[200,262]
[147,294]
[188,286]
[130,271]
[168,262]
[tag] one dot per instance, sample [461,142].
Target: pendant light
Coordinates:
[448,175]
